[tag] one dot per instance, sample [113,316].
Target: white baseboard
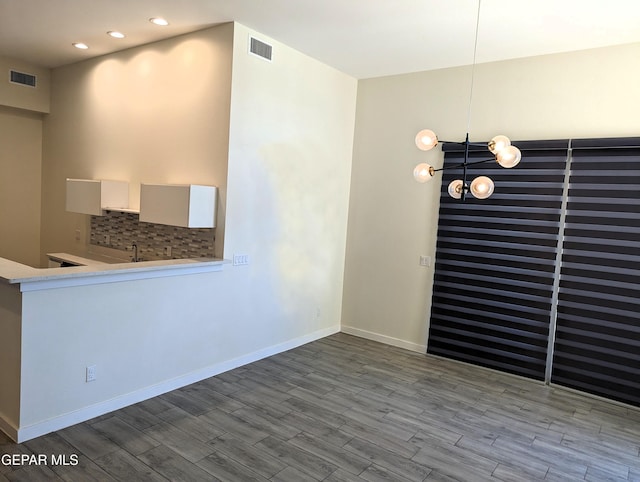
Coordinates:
[23,434]
[369,335]
[8,428]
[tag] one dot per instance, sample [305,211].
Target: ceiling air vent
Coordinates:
[21,78]
[261,49]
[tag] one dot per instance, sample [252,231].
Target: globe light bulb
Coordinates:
[498,143]
[509,157]
[423,172]
[482,187]
[455,189]
[426,139]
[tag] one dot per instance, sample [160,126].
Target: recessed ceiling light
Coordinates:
[115,34]
[159,21]
[80,45]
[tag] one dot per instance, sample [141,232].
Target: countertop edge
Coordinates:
[31,279]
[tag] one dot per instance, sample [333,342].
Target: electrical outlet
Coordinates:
[91,373]
[77,235]
[107,239]
[425,260]
[167,251]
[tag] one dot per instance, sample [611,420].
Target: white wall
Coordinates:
[393,219]
[21,109]
[20,165]
[35,99]
[290,135]
[292,123]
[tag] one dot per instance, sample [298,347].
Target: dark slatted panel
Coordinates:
[598,326]
[495,261]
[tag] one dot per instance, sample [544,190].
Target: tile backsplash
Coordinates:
[119,231]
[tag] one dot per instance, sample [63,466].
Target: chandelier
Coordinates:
[505,154]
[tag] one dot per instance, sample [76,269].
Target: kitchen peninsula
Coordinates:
[119,321]
[89,271]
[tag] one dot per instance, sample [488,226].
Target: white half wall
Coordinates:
[10,351]
[144,338]
[393,219]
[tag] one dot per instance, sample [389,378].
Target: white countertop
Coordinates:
[99,270]
[82,260]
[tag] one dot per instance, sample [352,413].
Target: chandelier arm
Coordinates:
[464,143]
[457,166]
[460,143]
[493,159]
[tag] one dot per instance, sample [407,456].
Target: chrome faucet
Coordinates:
[135,258]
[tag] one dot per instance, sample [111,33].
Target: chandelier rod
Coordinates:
[473,68]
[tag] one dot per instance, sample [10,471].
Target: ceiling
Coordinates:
[363,38]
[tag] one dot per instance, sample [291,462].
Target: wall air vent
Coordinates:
[261,49]
[21,78]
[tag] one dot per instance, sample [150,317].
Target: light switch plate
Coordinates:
[240,259]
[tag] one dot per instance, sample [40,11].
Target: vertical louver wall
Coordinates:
[495,261]
[597,345]
[501,288]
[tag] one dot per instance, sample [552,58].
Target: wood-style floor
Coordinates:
[348,409]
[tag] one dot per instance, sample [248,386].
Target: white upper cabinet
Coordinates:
[88,196]
[186,205]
